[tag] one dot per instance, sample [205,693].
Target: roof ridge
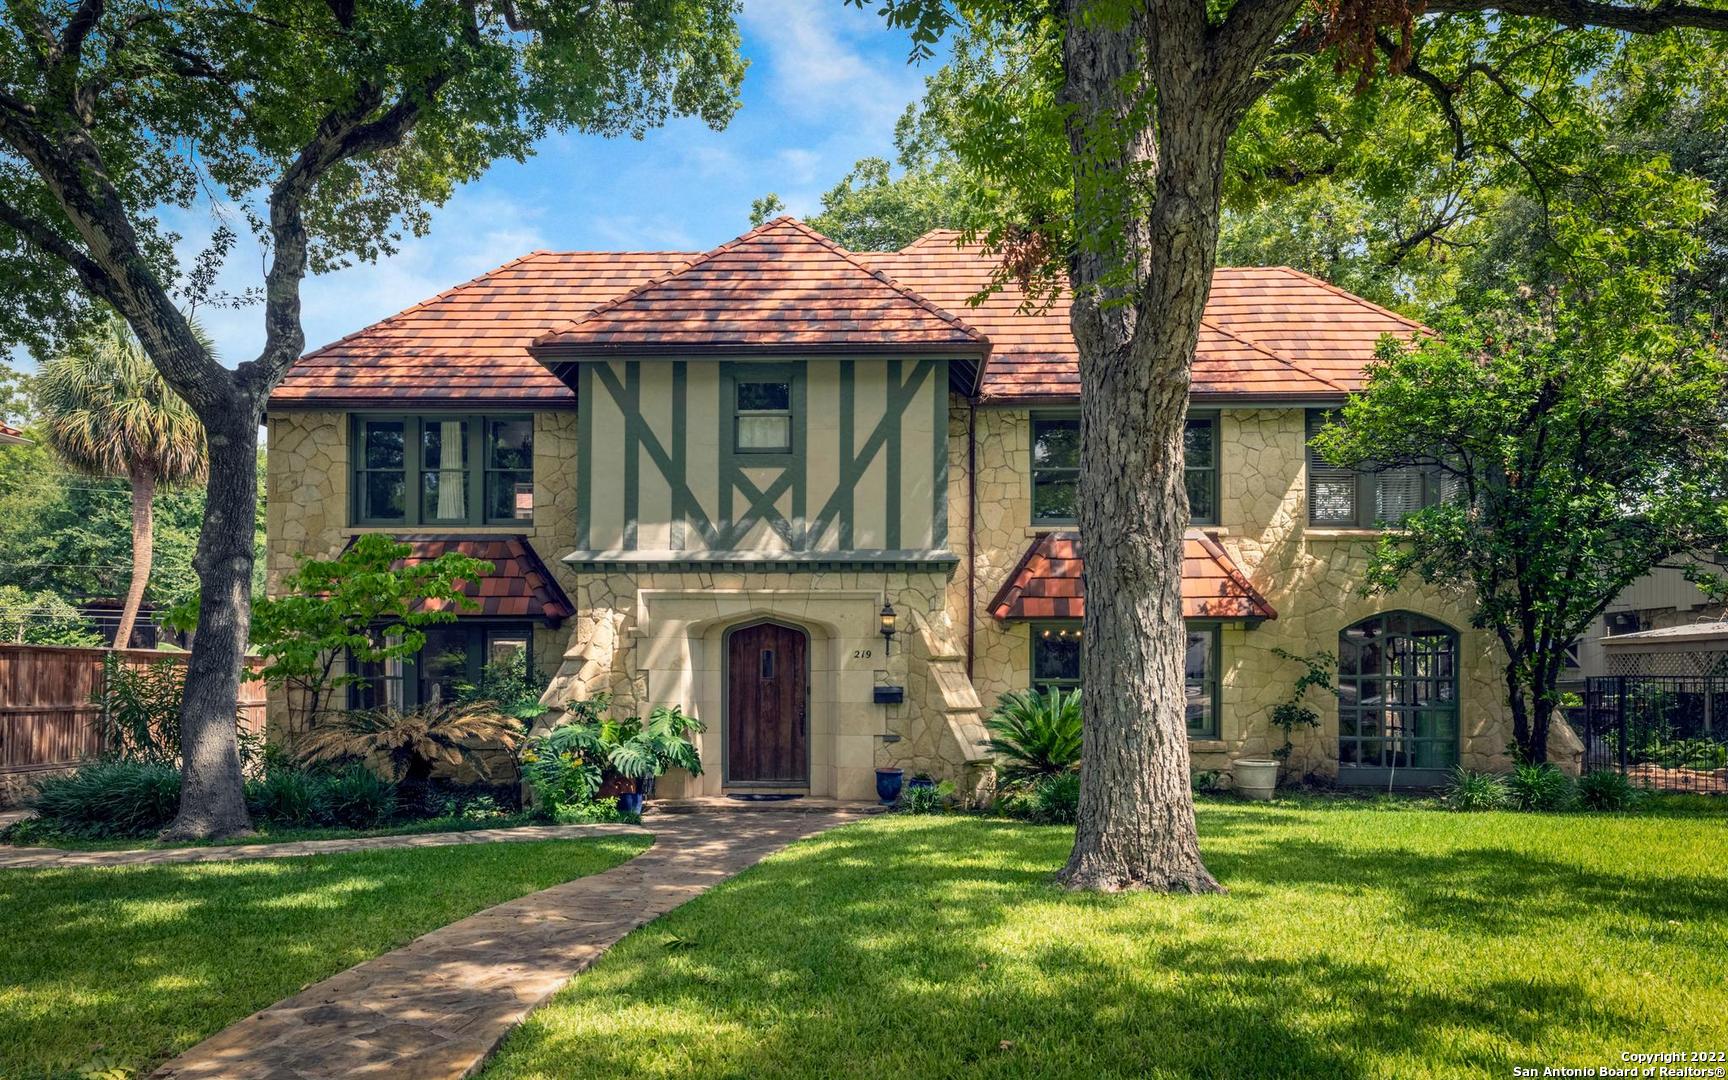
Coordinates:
[1282,359]
[911,294]
[426,303]
[1361,301]
[928,236]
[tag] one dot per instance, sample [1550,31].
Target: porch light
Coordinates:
[888,630]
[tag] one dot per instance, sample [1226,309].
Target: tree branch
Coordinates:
[1665,15]
[37,233]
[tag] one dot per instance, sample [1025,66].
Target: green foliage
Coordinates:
[1539,787]
[42,618]
[287,796]
[1035,735]
[357,798]
[1294,712]
[1470,790]
[1049,800]
[141,707]
[510,686]
[567,765]
[1608,790]
[109,799]
[590,813]
[926,800]
[408,746]
[362,605]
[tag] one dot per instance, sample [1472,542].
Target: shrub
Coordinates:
[1606,789]
[591,813]
[109,799]
[143,709]
[358,798]
[1035,735]
[409,745]
[512,685]
[926,800]
[1207,781]
[1469,790]
[1539,787]
[1050,800]
[287,796]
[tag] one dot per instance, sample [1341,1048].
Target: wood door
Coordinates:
[767,688]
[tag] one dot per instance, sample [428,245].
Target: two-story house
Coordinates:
[714,479]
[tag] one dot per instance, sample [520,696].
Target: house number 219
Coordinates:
[860,654]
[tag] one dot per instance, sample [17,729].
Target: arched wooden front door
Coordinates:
[767,696]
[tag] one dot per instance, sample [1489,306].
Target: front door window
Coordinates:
[1397,700]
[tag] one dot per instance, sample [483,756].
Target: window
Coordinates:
[454,657]
[443,470]
[1364,497]
[1056,468]
[1397,698]
[763,417]
[1057,650]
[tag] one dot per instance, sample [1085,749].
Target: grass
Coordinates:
[273,834]
[123,967]
[1357,941]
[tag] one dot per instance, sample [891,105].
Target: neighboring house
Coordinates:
[1663,599]
[709,479]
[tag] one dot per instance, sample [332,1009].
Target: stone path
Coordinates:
[439,1006]
[36,858]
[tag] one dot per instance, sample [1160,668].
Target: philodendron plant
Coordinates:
[1295,712]
[633,748]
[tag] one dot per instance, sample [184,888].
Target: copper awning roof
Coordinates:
[519,586]
[1048,583]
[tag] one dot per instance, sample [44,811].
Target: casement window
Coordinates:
[1056,468]
[442,470]
[762,416]
[454,657]
[1057,649]
[1364,497]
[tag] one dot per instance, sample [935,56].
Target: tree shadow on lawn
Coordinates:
[943,948]
[134,964]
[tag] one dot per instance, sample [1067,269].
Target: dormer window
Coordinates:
[763,417]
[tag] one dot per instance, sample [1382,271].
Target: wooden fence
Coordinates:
[49,715]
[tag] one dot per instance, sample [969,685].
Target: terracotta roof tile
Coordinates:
[1048,583]
[1268,332]
[780,286]
[519,585]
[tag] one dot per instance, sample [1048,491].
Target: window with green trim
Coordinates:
[454,657]
[1057,650]
[1056,468]
[442,469]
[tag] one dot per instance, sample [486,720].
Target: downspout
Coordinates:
[971,529]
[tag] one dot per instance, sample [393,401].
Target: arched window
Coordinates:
[1397,700]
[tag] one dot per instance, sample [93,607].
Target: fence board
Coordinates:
[49,718]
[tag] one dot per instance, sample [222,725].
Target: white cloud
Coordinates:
[816,68]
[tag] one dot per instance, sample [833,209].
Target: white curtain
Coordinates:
[452,501]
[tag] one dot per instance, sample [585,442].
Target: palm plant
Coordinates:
[1034,734]
[633,748]
[411,744]
[106,411]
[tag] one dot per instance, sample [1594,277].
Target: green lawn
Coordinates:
[266,834]
[1357,941]
[126,966]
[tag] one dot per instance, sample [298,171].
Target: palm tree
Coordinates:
[106,411]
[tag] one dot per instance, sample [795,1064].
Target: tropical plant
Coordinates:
[107,411]
[141,709]
[406,746]
[1607,789]
[1035,734]
[1294,712]
[108,799]
[926,799]
[1467,789]
[1539,787]
[633,748]
[1053,799]
[42,618]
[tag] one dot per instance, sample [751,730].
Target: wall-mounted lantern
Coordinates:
[888,628]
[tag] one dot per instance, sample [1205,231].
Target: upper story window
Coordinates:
[1363,497]
[763,417]
[1056,468]
[443,470]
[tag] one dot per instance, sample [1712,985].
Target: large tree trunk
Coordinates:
[1136,344]
[143,555]
[212,802]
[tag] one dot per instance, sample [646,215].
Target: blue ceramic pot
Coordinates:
[888,785]
[631,803]
[924,782]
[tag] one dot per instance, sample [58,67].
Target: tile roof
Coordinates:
[519,585]
[1268,333]
[1047,583]
[10,434]
[781,287]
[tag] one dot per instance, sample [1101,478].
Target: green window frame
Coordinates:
[455,654]
[1056,467]
[1365,497]
[1398,698]
[762,412]
[441,469]
[1058,652]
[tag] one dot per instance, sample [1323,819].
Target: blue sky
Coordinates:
[825,85]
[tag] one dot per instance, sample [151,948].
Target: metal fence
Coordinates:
[1664,732]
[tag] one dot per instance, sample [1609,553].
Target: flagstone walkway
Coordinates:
[439,1006]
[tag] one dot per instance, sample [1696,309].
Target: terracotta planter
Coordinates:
[1255,778]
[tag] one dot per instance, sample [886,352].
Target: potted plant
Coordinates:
[634,752]
[1257,778]
[888,783]
[921,781]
